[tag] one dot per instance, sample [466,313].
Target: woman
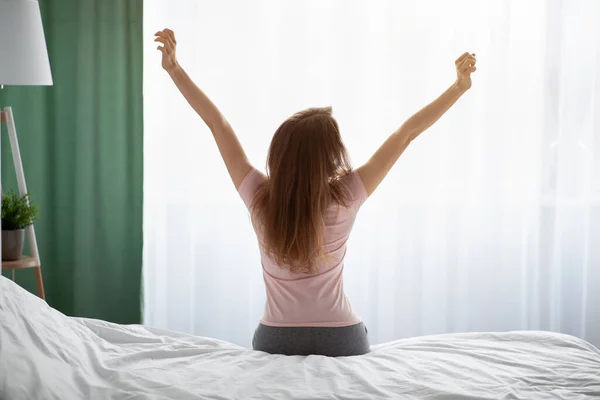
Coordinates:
[303,211]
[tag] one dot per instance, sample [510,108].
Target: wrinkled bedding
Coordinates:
[47,355]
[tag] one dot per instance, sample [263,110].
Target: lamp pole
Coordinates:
[24,62]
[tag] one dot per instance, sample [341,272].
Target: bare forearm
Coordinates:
[429,114]
[229,146]
[375,170]
[199,101]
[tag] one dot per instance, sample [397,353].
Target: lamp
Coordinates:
[23,62]
[24,58]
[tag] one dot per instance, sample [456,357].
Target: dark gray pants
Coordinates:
[326,341]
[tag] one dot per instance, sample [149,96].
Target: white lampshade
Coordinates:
[23,53]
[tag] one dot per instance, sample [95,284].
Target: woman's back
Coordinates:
[304,212]
[305,299]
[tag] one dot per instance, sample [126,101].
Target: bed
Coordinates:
[47,355]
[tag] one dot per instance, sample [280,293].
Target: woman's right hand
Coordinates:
[169,58]
[465,66]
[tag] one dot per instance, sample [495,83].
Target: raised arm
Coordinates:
[229,146]
[374,170]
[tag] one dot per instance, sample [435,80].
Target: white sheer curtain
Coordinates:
[490,221]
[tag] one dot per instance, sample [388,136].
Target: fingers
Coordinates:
[171,34]
[461,58]
[166,40]
[168,34]
[467,63]
[168,47]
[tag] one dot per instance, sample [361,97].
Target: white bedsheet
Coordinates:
[47,355]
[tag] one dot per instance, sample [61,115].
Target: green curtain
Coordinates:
[81,144]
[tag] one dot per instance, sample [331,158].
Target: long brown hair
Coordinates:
[306,160]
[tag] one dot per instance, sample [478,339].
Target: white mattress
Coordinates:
[47,355]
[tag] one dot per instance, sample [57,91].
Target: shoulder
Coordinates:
[355,186]
[250,184]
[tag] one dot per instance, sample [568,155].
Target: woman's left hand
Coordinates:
[169,58]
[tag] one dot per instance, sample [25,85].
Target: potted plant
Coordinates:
[17,214]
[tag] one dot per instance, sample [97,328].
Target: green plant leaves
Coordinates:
[16,212]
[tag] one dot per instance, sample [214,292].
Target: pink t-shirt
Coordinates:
[298,299]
